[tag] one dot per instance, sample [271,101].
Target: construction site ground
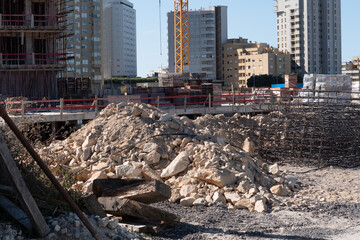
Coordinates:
[326,207]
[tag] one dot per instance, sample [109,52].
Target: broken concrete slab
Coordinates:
[138,190]
[126,207]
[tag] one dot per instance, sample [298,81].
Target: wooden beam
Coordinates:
[126,207]
[27,201]
[92,206]
[138,190]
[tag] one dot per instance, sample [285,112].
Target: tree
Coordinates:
[264,81]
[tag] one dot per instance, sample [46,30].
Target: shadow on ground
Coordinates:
[189,231]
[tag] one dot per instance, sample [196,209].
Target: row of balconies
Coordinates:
[15,60]
[32,21]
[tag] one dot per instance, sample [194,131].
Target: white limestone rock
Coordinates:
[179,164]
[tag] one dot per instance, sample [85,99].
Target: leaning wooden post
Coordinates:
[47,172]
[27,201]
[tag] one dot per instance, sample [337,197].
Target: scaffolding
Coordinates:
[32,47]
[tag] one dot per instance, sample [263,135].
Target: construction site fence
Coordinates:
[271,97]
[96,104]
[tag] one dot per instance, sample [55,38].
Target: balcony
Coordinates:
[44,61]
[32,22]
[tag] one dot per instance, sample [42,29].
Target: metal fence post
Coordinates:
[209,100]
[233,94]
[33,58]
[61,108]
[22,108]
[96,105]
[158,102]
[185,103]
[32,21]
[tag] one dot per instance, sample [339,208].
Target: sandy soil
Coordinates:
[326,207]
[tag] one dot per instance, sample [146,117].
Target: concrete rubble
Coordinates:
[203,163]
[69,226]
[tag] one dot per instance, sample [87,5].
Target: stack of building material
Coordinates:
[356,90]
[173,79]
[326,88]
[291,81]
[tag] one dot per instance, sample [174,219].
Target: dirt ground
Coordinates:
[326,207]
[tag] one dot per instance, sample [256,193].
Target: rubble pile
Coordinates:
[131,141]
[69,226]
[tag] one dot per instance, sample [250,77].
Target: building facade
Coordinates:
[311,31]
[85,43]
[32,55]
[119,39]
[243,59]
[207,33]
[352,69]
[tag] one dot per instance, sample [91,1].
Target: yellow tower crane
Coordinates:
[181,34]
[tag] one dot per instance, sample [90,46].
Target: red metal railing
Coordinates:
[95,104]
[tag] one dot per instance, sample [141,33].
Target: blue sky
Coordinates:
[252,19]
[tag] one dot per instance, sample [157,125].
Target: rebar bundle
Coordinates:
[317,133]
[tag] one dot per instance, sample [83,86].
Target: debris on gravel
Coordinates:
[202,165]
[69,226]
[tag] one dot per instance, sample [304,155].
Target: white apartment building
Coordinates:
[207,33]
[311,31]
[118,39]
[85,24]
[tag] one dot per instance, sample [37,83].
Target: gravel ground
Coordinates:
[327,207]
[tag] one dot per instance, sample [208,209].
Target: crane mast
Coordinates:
[181,34]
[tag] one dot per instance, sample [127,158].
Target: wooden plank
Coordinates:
[27,201]
[92,206]
[15,212]
[141,191]
[126,207]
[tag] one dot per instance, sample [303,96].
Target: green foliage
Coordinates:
[264,81]
[128,81]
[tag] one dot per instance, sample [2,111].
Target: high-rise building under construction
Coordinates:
[32,47]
